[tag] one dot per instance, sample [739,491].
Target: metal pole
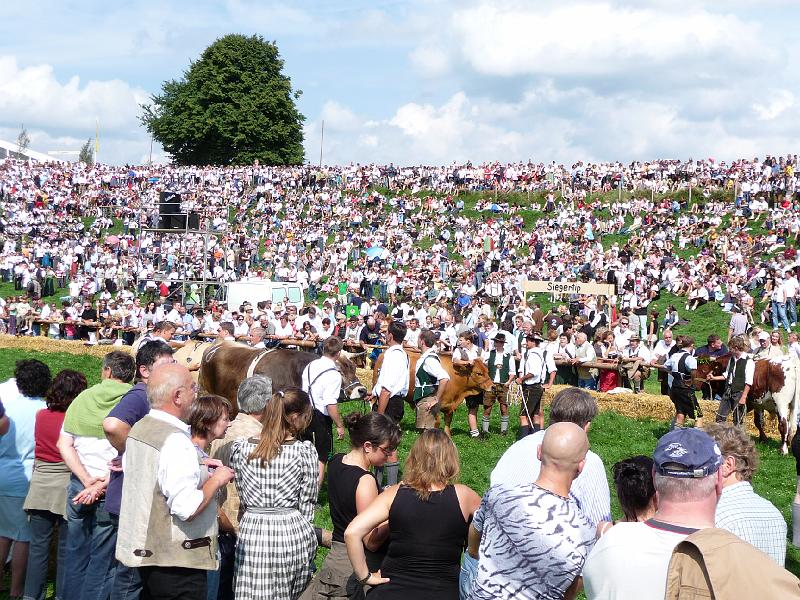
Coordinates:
[321,142]
[150,161]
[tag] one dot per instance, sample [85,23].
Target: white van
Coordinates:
[258,290]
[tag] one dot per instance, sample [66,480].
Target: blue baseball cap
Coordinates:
[687,453]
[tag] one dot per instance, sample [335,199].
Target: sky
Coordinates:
[428,81]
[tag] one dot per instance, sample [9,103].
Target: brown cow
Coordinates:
[464,381]
[225,365]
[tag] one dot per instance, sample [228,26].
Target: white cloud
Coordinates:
[33,95]
[597,38]
[780,102]
[430,60]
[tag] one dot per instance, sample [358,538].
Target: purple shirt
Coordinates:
[131,408]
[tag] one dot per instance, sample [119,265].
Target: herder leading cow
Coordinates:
[226,364]
[464,381]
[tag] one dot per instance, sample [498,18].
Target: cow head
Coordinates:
[351,386]
[477,376]
[777,375]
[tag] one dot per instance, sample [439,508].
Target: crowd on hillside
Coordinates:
[398,233]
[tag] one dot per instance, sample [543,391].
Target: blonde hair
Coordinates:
[287,413]
[432,461]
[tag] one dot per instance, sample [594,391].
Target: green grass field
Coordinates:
[612,436]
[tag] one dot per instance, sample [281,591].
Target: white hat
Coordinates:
[763,336]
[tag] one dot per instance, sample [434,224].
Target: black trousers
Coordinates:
[173,583]
[730,403]
[395,408]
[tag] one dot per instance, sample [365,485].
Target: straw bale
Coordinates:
[43,344]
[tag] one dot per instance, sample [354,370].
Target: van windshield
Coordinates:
[295,295]
[278,295]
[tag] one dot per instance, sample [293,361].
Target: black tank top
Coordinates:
[342,484]
[425,545]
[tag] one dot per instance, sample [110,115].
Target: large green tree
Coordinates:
[232,106]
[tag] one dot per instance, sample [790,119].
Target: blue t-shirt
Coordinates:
[18,445]
[133,407]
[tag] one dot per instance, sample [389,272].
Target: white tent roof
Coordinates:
[28,153]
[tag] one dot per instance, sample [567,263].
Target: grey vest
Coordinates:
[148,534]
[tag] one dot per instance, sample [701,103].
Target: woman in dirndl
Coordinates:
[277,479]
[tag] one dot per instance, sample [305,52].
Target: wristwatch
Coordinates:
[365,579]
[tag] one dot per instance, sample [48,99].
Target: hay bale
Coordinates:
[650,406]
[44,344]
[365,377]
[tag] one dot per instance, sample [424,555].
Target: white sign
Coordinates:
[570,287]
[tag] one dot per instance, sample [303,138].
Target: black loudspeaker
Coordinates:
[179,221]
[168,209]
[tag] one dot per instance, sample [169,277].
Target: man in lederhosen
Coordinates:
[391,389]
[537,371]
[682,367]
[430,381]
[322,382]
[465,356]
[738,378]
[502,368]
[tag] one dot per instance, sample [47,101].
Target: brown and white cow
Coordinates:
[226,364]
[776,389]
[464,381]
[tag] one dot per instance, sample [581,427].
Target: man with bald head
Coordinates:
[168,517]
[533,538]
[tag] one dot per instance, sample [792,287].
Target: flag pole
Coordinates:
[96,140]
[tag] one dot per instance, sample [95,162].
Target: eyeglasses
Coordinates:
[624,322]
[386,451]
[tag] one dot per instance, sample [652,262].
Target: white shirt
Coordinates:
[498,361]
[179,472]
[322,382]
[640,352]
[662,349]
[94,453]
[519,465]
[752,518]
[394,373]
[534,362]
[412,337]
[630,561]
[432,366]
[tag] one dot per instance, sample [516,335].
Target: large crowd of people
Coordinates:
[398,234]
[157,491]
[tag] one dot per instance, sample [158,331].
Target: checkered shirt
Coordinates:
[754,519]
